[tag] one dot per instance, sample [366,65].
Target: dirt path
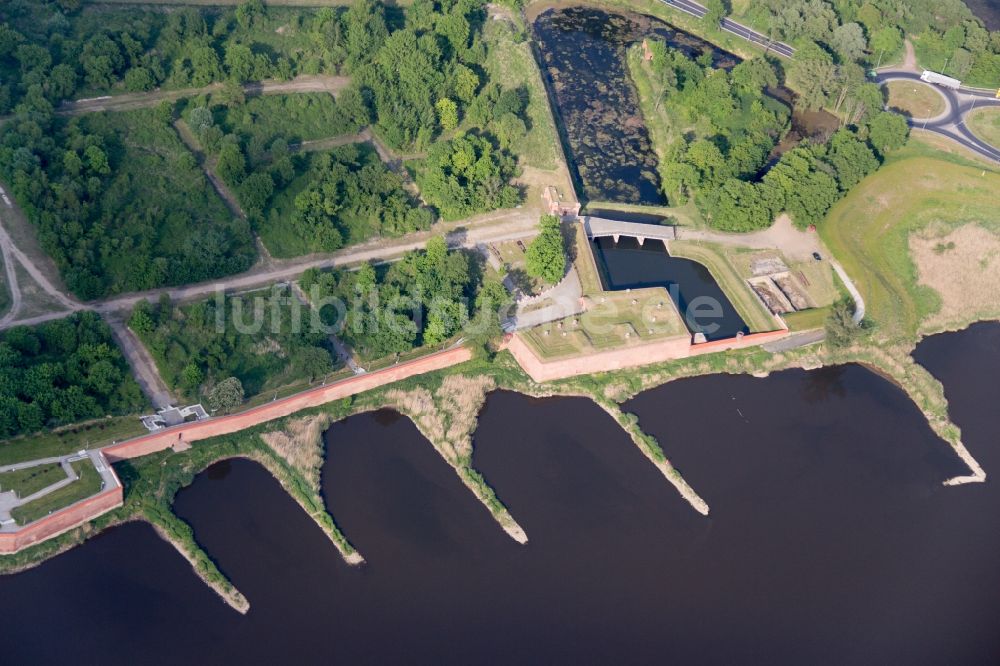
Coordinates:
[124,102]
[143,367]
[12,253]
[492,227]
[208,168]
[910,58]
[782,235]
[11,279]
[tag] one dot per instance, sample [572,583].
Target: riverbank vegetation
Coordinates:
[265,339]
[61,372]
[119,202]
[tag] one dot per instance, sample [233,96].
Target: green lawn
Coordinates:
[985,123]
[88,484]
[806,320]
[714,257]
[24,482]
[915,99]
[869,230]
[612,323]
[294,118]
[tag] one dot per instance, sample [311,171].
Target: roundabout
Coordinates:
[951,121]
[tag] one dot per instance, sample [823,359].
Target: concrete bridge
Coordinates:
[597,227]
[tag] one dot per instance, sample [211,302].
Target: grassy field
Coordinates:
[267,341]
[88,435]
[616,319]
[25,482]
[716,258]
[869,230]
[583,259]
[88,484]
[294,118]
[806,320]
[915,99]
[511,64]
[985,123]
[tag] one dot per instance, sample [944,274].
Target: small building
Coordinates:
[555,204]
[171,416]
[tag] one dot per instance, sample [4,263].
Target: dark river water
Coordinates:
[701,302]
[831,540]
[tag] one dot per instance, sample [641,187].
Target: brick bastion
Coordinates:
[61,521]
[630,357]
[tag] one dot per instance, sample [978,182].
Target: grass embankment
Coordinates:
[87,435]
[919,189]
[985,124]
[24,482]
[915,99]
[511,64]
[5,298]
[806,320]
[88,483]
[713,257]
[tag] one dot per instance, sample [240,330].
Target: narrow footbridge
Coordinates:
[597,227]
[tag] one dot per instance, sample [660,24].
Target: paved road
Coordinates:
[951,123]
[794,341]
[734,28]
[859,302]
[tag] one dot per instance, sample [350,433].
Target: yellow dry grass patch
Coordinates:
[963,267]
[300,444]
[448,416]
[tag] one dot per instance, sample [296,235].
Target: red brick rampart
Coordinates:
[224,425]
[628,357]
[61,521]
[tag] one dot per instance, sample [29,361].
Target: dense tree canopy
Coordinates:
[467,175]
[546,256]
[60,372]
[59,49]
[424,299]
[119,202]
